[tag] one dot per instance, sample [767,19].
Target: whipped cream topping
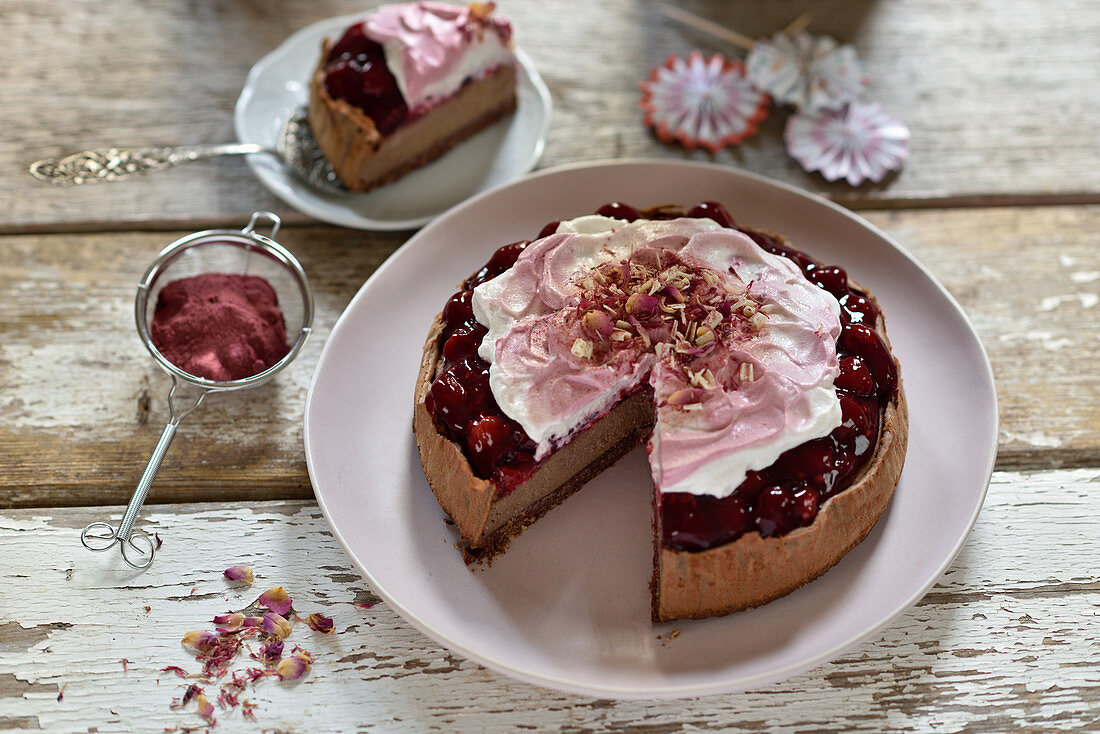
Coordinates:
[433,48]
[734,389]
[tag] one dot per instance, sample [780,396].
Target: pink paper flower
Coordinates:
[809,72]
[857,142]
[702,102]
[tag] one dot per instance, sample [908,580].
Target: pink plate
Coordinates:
[568,605]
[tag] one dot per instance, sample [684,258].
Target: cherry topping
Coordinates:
[855,377]
[858,339]
[810,461]
[356,72]
[697,522]
[857,309]
[712,210]
[618,210]
[775,511]
[450,399]
[805,505]
[463,343]
[503,259]
[489,439]
[459,310]
[831,278]
[549,229]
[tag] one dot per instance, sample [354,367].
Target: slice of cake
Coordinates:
[761,378]
[406,84]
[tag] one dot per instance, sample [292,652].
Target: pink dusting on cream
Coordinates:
[440,46]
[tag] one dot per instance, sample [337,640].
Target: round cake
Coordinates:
[760,380]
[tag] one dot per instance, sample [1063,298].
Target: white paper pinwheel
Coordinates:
[856,142]
[809,72]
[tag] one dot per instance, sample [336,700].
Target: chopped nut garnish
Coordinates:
[704,335]
[582,348]
[746,372]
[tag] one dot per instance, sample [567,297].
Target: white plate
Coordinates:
[279,84]
[568,605]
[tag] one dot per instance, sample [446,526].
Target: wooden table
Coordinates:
[1000,199]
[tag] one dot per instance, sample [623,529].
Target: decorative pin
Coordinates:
[702,102]
[855,143]
[809,72]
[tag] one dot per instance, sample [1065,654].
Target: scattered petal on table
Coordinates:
[320,623]
[239,573]
[702,102]
[810,72]
[199,641]
[276,624]
[276,599]
[856,143]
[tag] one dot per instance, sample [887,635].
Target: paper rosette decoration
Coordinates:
[702,102]
[808,72]
[856,142]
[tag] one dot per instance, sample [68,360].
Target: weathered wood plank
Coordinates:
[81,403]
[1007,639]
[999,96]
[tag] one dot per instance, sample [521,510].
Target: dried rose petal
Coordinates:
[276,624]
[239,573]
[206,709]
[199,641]
[272,651]
[252,622]
[642,305]
[598,323]
[276,599]
[230,622]
[294,666]
[320,623]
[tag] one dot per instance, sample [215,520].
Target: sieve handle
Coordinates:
[146,481]
[100,536]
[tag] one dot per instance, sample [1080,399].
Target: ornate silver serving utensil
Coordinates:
[296,148]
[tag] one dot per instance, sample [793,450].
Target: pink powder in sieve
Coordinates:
[219,326]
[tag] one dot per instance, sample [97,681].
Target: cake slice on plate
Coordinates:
[407,83]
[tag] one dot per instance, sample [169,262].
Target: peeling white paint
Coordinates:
[1084,276]
[1036,438]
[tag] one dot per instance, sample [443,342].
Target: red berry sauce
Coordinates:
[356,72]
[774,501]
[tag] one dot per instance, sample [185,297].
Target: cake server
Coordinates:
[296,148]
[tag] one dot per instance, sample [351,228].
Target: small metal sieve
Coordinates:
[243,252]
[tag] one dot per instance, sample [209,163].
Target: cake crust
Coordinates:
[364,159]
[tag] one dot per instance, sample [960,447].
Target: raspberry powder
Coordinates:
[220,326]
